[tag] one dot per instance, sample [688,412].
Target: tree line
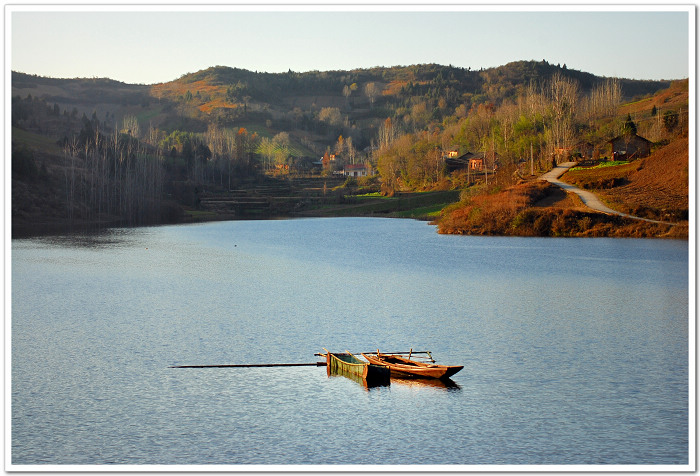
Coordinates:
[544,119]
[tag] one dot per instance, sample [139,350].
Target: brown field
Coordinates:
[179,89]
[217,103]
[675,96]
[655,187]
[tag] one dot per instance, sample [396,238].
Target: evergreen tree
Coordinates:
[629,128]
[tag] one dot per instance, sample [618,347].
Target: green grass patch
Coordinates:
[409,205]
[432,211]
[370,196]
[601,165]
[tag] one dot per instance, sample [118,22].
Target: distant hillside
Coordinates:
[98,150]
[269,103]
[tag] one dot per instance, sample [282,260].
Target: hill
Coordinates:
[97,150]
[269,103]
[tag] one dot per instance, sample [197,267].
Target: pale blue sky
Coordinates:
[156,46]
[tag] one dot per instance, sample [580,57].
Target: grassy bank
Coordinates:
[419,205]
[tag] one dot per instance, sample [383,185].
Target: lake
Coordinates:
[576,351]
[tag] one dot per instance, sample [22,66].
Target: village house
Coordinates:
[482,160]
[455,162]
[473,161]
[629,147]
[357,170]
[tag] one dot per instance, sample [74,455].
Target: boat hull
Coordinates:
[405,368]
[349,364]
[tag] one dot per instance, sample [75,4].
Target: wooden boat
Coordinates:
[363,382]
[407,368]
[349,364]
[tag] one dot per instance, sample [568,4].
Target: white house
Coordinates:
[357,170]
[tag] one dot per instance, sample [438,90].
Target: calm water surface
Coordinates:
[575,350]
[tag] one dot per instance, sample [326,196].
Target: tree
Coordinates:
[371,91]
[281,139]
[629,128]
[331,115]
[281,147]
[352,152]
[347,92]
[563,96]
[604,99]
[130,126]
[670,120]
[267,150]
[340,146]
[387,133]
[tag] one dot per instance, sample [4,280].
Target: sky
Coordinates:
[148,45]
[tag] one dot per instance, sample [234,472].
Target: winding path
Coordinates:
[588,198]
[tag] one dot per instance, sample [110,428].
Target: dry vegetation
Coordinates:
[655,188]
[676,96]
[539,209]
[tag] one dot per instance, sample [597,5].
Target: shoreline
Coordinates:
[56,228]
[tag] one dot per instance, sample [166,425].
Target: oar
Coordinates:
[315,364]
[385,353]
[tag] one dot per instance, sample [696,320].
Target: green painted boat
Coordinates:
[348,363]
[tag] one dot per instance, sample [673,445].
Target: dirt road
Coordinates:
[588,198]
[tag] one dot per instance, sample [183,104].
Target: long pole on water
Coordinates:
[310,364]
[315,364]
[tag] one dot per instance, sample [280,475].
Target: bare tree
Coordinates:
[372,91]
[387,134]
[604,99]
[130,126]
[563,96]
[352,152]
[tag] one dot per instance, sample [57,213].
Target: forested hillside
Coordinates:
[100,150]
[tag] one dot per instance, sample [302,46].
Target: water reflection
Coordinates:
[97,239]
[412,383]
[446,384]
[367,384]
